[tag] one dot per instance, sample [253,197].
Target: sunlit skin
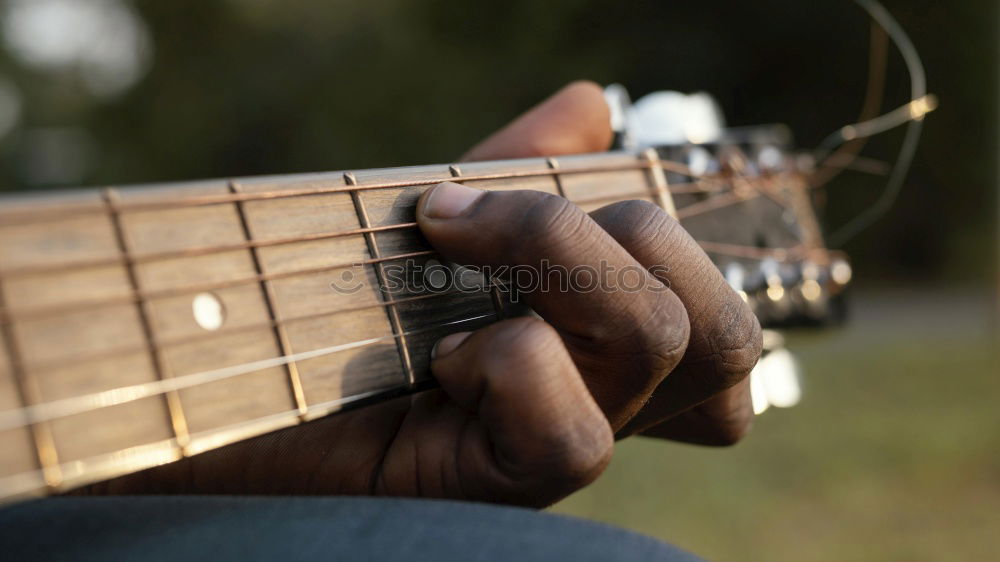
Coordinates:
[528,409]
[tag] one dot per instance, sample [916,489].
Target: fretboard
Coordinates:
[144,324]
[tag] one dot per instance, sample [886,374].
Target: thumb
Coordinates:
[575,119]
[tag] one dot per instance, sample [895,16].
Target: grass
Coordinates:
[893,454]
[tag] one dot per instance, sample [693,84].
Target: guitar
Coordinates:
[144,324]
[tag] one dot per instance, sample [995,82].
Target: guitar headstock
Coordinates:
[745,196]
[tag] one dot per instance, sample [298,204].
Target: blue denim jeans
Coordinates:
[222,528]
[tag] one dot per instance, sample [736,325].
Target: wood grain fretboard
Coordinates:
[105,370]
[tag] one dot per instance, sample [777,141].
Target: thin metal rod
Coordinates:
[6,315]
[172,400]
[29,393]
[42,412]
[391,310]
[29,216]
[678,188]
[270,302]
[197,251]
[220,334]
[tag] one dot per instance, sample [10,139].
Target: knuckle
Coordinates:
[639,224]
[574,458]
[583,454]
[670,331]
[576,446]
[572,465]
[662,337]
[523,343]
[548,222]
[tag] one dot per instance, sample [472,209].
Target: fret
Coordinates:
[28,210]
[495,294]
[545,181]
[313,313]
[373,250]
[553,164]
[580,188]
[658,179]
[172,399]
[396,205]
[68,338]
[20,390]
[123,461]
[243,333]
[294,381]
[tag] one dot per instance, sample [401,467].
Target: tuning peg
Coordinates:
[700,160]
[811,293]
[840,271]
[622,116]
[775,301]
[770,158]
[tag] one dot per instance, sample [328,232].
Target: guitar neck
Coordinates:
[141,325]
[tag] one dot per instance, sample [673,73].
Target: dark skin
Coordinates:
[528,409]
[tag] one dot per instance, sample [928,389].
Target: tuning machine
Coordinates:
[665,118]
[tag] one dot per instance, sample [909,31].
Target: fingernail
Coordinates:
[449,200]
[447,344]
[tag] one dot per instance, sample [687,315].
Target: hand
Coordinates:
[527,408]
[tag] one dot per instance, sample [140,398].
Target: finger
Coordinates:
[575,119]
[625,341]
[720,421]
[725,340]
[544,437]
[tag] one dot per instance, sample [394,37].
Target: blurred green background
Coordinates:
[893,452]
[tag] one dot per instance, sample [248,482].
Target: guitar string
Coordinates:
[14,419]
[878,54]
[54,365]
[34,270]
[718,248]
[912,114]
[26,482]
[7,315]
[854,163]
[30,216]
[46,411]
[80,404]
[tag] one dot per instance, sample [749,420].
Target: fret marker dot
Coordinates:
[208,311]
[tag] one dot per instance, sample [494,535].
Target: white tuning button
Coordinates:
[811,289]
[772,276]
[769,158]
[840,272]
[622,115]
[699,160]
[670,118]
